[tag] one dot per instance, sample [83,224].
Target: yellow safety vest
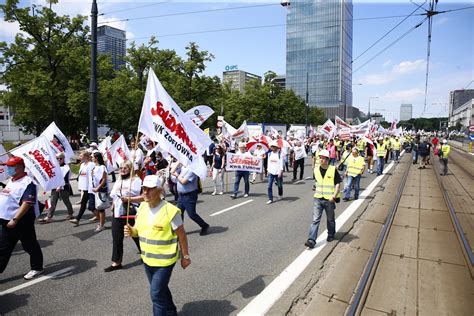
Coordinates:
[361,145]
[381,149]
[445,149]
[325,186]
[158,241]
[396,145]
[355,166]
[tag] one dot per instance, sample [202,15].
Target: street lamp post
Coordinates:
[93,79]
[368,112]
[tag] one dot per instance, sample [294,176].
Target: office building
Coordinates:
[238,79]
[406,112]
[319,53]
[458,98]
[377,118]
[280,81]
[463,116]
[112,41]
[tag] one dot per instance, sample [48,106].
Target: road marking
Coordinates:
[39,279]
[299,181]
[262,303]
[231,208]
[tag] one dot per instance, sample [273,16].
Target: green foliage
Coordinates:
[427,124]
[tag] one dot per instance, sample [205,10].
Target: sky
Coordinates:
[257,43]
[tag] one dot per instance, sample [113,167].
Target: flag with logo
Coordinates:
[104,148]
[242,131]
[119,151]
[199,114]
[58,141]
[328,129]
[40,159]
[340,123]
[3,169]
[163,121]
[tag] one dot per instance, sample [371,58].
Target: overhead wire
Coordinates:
[134,8]
[390,31]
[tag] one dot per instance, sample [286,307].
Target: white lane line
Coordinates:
[39,279]
[262,303]
[230,208]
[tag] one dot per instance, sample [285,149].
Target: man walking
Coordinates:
[325,197]
[275,171]
[188,195]
[443,156]
[242,174]
[355,169]
[18,211]
[381,150]
[300,155]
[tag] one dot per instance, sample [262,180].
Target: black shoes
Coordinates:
[113,268]
[203,231]
[310,243]
[330,238]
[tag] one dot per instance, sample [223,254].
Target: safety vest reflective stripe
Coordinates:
[158,256]
[158,242]
[325,186]
[355,166]
[445,149]
[381,148]
[396,145]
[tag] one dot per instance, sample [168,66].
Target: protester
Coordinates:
[300,155]
[18,211]
[260,152]
[126,195]
[159,227]
[423,151]
[242,174]
[275,171]
[87,197]
[355,169]
[381,151]
[62,192]
[443,156]
[218,169]
[396,145]
[326,195]
[98,184]
[188,195]
[137,157]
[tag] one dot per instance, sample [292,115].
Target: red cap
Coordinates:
[13,161]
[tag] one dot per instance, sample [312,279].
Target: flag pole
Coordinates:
[131,178]
[8,152]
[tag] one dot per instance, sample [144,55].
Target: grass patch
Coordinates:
[75,167]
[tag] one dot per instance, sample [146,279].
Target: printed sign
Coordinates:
[236,162]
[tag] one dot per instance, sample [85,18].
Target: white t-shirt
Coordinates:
[96,176]
[299,152]
[10,197]
[121,189]
[275,163]
[259,152]
[84,175]
[137,158]
[175,222]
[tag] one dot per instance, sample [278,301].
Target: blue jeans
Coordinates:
[347,190]
[187,202]
[159,277]
[279,181]
[239,175]
[396,154]
[319,206]
[380,163]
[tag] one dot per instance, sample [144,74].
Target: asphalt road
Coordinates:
[246,248]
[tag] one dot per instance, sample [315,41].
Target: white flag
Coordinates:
[340,123]
[3,169]
[119,151]
[227,129]
[40,159]
[199,114]
[104,148]
[58,141]
[328,128]
[242,131]
[163,121]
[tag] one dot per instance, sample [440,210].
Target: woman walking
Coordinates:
[124,190]
[218,167]
[87,199]
[99,185]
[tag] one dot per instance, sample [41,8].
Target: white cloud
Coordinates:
[403,95]
[399,70]
[387,63]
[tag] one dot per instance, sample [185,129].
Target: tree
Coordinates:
[43,68]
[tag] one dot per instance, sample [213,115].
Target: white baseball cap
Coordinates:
[324,153]
[445,141]
[274,143]
[152,181]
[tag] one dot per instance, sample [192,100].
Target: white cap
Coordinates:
[445,141]
[242,145]
[324,153]
[380,138]
[274,143]
[93,144]
[152,181]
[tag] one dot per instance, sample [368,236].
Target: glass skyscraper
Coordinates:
[319,53]
[112,41]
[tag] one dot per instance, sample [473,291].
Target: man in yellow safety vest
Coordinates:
[355,169]
[326,195]
[381,151]
[443,156]
[159,227]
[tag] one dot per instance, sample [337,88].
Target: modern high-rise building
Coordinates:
[238,79]
[406,112]
[461,107]
[112,41]
[319,53]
